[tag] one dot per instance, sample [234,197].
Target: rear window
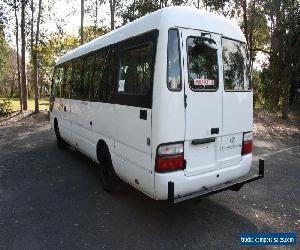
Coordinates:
[174,73]
[202,64]
[236,70]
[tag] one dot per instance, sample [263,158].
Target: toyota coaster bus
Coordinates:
[164,103]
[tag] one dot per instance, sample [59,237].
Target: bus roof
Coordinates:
[163,19]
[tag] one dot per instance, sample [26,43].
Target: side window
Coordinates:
[236,70]
[87,78]
[202,64]
[76,80]
[65,87]
[135,70]
[100,75]
[58,78]
[174,72]
[112,75]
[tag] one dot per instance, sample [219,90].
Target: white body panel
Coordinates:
[84,123]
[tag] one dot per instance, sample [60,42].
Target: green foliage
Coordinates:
[56,46]
[5,108]
[8,68]
[92,32]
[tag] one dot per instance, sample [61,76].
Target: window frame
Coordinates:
[180,61]
[65,65]
[85,57]
[52,82]
[106,68]
[187,65]
[81,62]
[114,49]
[140,46]
[136,100]
[250,83]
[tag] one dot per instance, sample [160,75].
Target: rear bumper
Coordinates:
[185,186]
[236,186]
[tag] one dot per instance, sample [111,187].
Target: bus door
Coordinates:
[203,93]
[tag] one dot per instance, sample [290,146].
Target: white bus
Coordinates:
[164,103]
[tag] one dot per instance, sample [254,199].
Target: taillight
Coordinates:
[169,157]
[247,143]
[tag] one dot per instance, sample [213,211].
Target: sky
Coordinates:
[69,11]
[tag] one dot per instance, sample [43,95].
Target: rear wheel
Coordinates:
[61,144]
[108,177]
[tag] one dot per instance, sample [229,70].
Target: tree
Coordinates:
[8,67]
[81,26]
[112,7]
[15,7]
[23,55]
[91,33]
[284,55]
[55,46]
[34,54]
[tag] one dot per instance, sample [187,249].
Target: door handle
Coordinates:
[143,114]
[214,131]
[203,141]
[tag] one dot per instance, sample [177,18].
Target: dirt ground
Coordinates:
[52,199]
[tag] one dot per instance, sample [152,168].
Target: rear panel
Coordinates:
[218,101]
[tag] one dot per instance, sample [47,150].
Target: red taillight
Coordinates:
[169,158]
[247,148]
[247,143]
[169,163]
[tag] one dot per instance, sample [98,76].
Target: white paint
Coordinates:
[126,134]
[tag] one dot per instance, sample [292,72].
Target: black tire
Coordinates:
[108,177]
[61,144]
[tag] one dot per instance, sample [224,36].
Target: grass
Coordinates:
[43,103]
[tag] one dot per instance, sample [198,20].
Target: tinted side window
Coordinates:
[112,75]
[100,75]
[236,71]
[202,64]
[87,78]
[135,70]
[65,87]
[76,80]
[174,72]
[58,78]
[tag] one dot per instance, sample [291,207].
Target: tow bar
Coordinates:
[210,191]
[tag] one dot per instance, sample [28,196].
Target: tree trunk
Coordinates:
[81,26]
[35,61]
[96,16]
[18,56]
[285,101]
[112,5]
[23,51]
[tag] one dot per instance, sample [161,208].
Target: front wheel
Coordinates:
[108,177]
